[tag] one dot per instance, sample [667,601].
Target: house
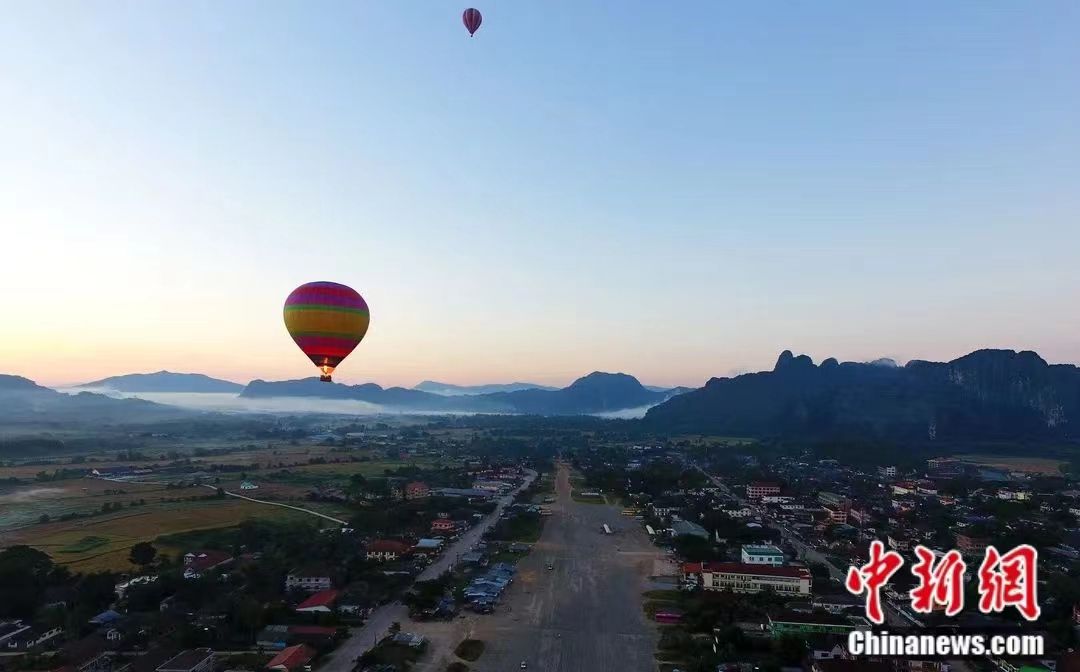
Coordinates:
[321,602]
[9,629]
[759,489]
[89,654]
[248,485]
[310,580]
[762,554]
[743,578]
[443,526]
[417,490]
[383,550]
[198,563]
[292,658]
[190,660]
[428,546]
[31,637]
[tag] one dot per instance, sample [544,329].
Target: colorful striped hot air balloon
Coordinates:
[327,321]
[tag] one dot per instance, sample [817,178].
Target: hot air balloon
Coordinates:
[472,20]
[327,321]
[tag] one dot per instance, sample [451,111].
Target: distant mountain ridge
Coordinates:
[450,390]
[24,401]
[597,392]
[164,381]
[987,394]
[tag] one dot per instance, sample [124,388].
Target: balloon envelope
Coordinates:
[472,20]
[327,320]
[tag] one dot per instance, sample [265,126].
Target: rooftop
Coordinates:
[186,660]
[292,657]
[323,598]
[741,568]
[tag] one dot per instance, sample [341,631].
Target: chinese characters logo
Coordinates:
[1005,580]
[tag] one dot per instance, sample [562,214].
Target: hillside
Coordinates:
[24,401]
[164,381]
[988,394]
[594,393]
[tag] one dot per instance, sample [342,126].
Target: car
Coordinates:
[523,665]
[550,566]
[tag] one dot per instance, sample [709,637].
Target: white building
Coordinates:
[762,554]
[738,577]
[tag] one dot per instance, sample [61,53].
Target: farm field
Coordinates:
[103,542]
[1032,465]
[25,504]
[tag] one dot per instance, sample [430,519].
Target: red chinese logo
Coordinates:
[940,583]
[872,576]
[1009,581]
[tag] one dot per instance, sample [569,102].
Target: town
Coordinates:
[422,546]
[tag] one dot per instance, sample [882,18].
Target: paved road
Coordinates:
[585,614]
[364,639]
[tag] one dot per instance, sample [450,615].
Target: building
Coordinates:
[971,545]
[887,472]
[89,654]
[763,554]
[443,526]
[834,501]
[741,512]
[428,546]
[681,528]
[417,490]
[29,638]
[321,602]
[191,660]
[248,485]
[743,578]
[759,489]
[384,550]
[10,629]
[309,580]
[198,563]
[837,514]
[292,658]
[802,624]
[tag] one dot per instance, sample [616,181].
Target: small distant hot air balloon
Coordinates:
[472,20]
[327,321]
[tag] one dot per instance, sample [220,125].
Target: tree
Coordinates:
[143,553]
[24,574]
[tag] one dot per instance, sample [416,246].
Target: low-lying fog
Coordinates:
[231,403]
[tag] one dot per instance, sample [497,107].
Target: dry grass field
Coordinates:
[103,542]
[1032,465]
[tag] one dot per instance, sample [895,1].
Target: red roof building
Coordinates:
[443,525]
[417,490]
[292,658]
[321,602]
[197,563]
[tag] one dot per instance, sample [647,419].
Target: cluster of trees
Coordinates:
[26,576]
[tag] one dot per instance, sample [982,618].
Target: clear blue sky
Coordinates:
[674,190]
